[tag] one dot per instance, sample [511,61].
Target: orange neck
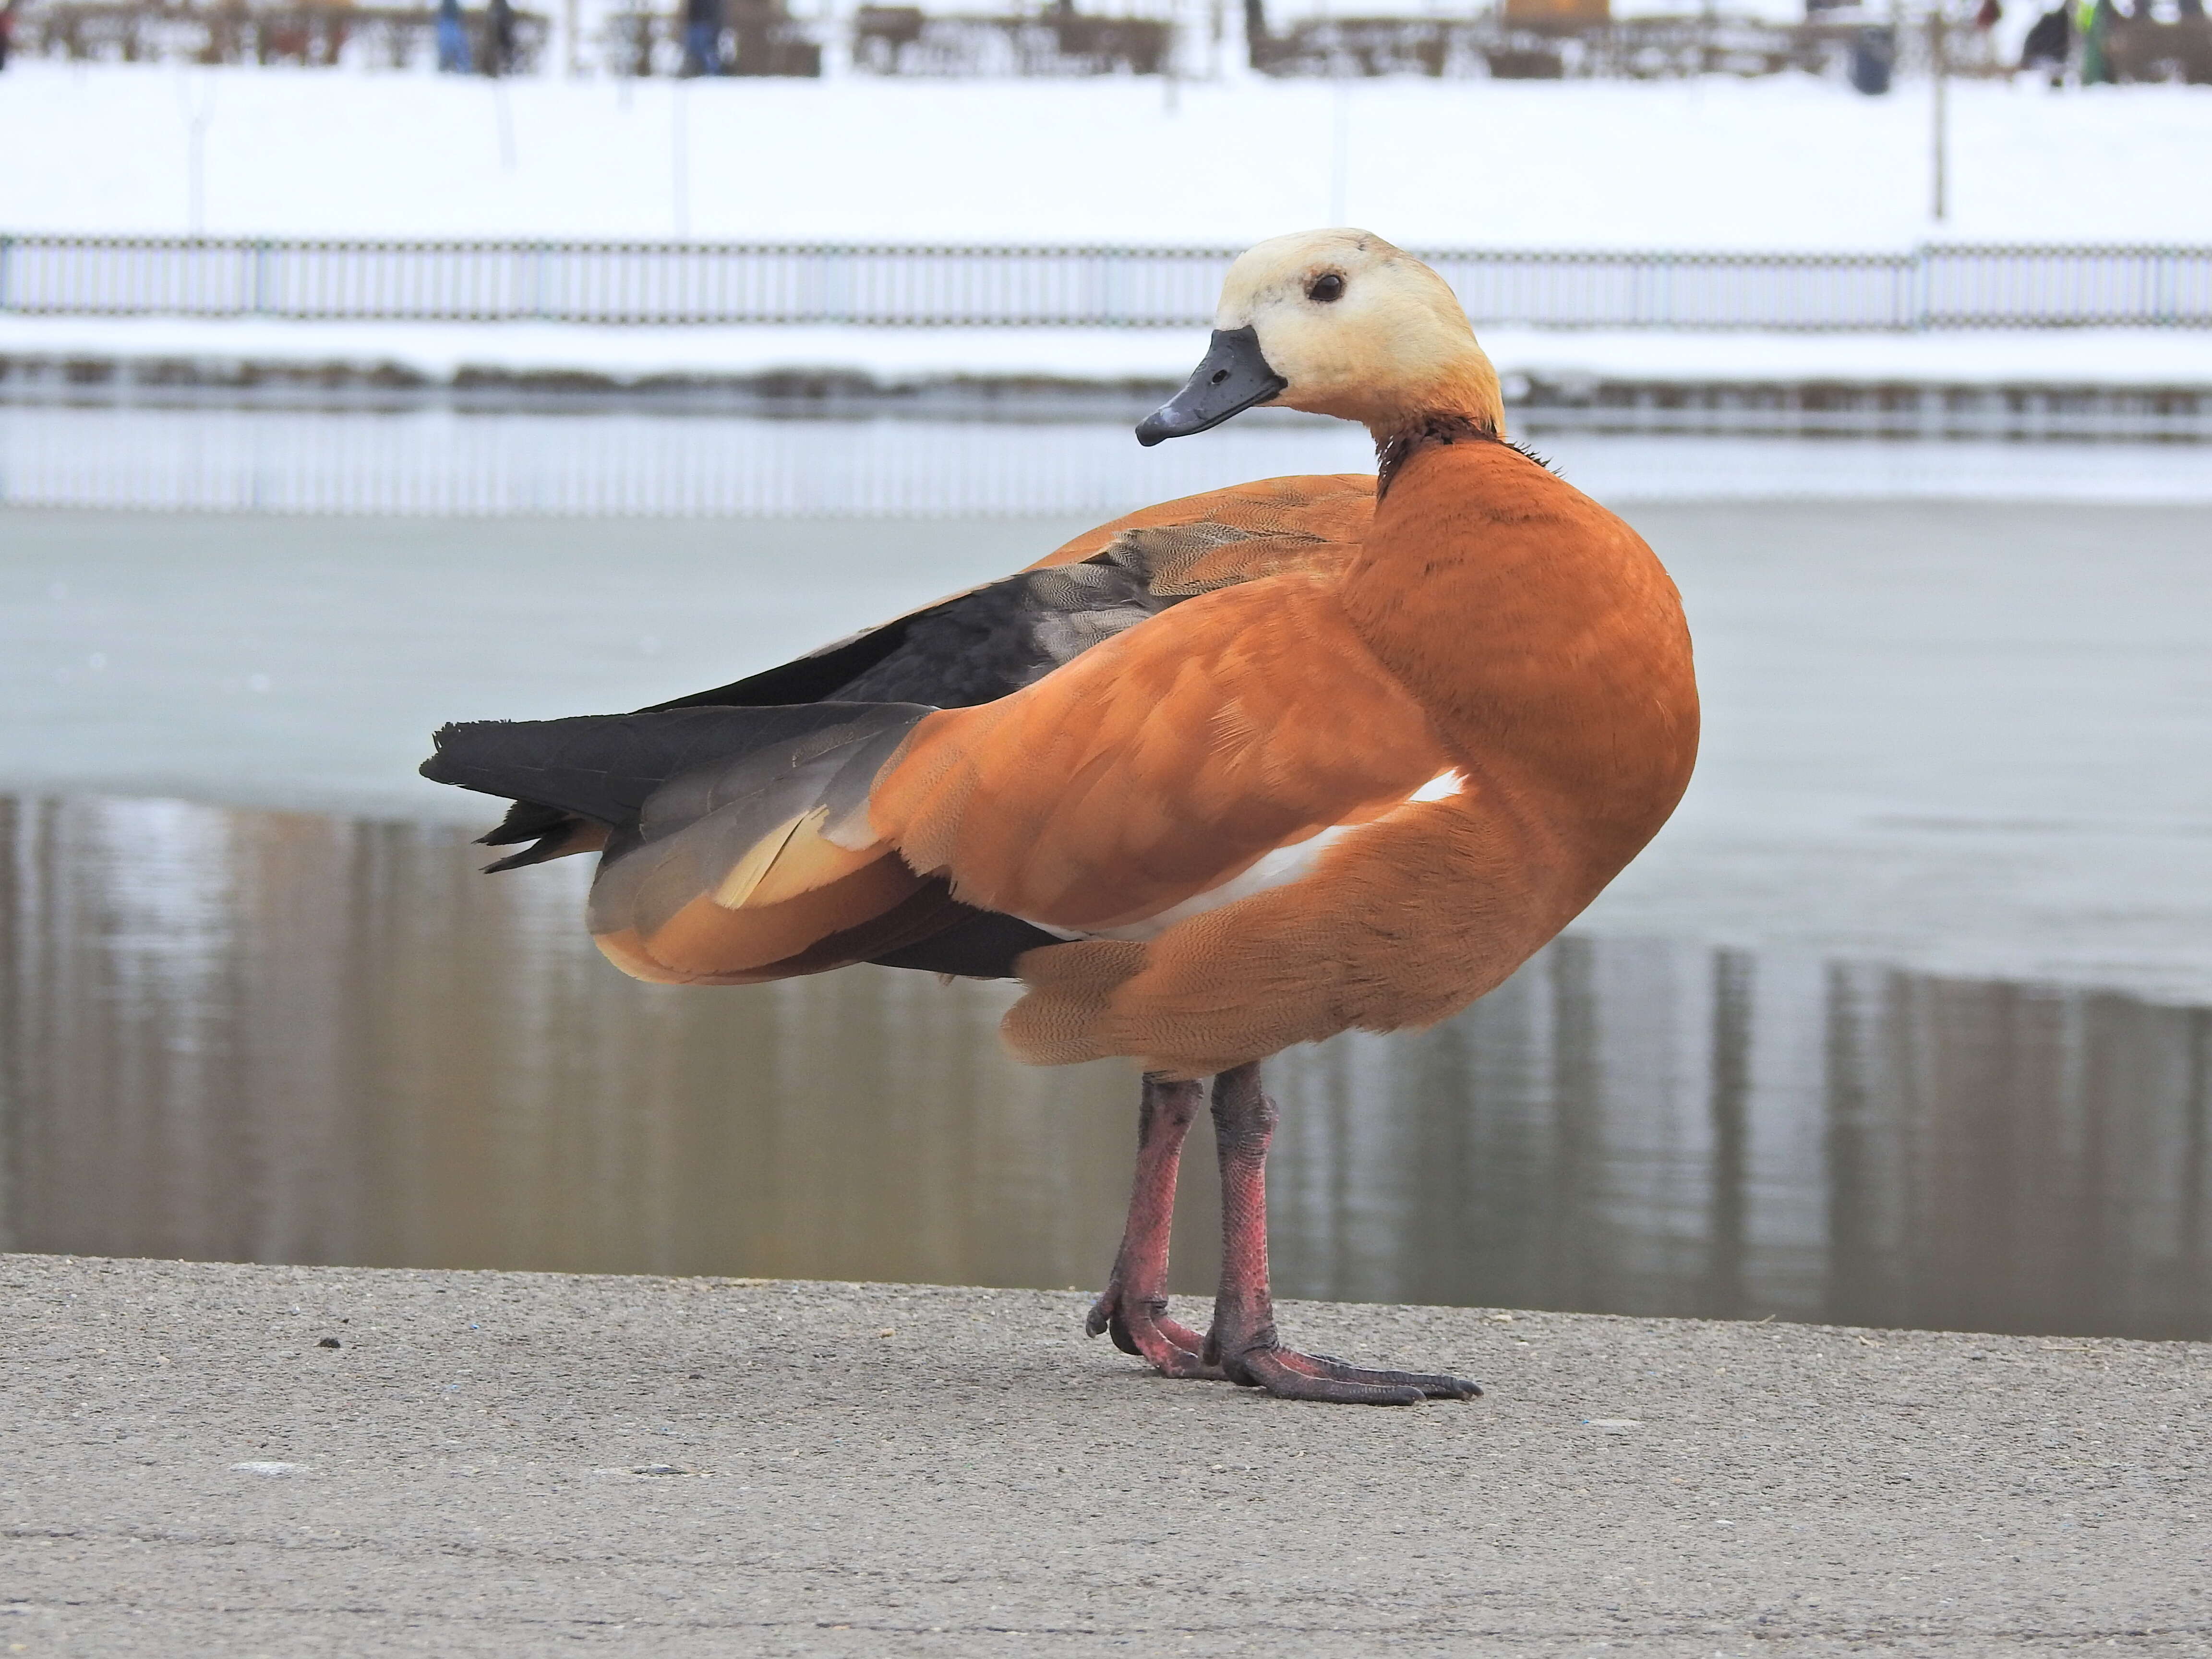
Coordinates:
[1438,428]
[1465,389]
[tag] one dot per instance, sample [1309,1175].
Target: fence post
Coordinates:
[263,254]
[7,273]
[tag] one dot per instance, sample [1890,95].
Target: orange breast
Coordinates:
[1545,645]
[1541,635]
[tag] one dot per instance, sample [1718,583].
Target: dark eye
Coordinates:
[1326,288]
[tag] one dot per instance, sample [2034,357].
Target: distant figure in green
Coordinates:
[2099,17]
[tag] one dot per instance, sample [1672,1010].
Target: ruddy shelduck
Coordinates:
[1233,773]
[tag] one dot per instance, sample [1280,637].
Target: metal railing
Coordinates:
[725,284]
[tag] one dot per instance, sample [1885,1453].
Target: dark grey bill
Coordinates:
[1233,377]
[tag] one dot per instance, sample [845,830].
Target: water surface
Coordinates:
[1904,1019]
[1966,737]
[257,1035]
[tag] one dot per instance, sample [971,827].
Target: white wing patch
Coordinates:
[1280,868]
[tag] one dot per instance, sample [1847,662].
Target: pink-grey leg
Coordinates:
[1241,1346]
[1243,1341]
[1134,1305]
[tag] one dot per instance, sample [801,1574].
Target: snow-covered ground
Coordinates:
[441,463]
[1786,162]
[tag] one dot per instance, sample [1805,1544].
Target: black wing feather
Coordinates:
[604,767]
[973,648]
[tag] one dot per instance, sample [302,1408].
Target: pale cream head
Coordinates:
[1361,330]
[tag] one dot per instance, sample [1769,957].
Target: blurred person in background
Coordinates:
[2096,20]
[499,38]
[703,36]
[2049,44]
[1874,58]
[452,39]
[7,30]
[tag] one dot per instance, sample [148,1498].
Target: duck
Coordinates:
[1229,774]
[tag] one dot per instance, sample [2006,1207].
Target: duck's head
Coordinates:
[1338,322]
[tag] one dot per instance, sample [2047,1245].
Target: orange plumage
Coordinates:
[1489,622]
[1231,773]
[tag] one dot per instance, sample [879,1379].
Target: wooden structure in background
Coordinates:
[1057,41]
[759,37]
[1573,40]
[1557,16]
[2140,48]
[1518,40]
[150,31]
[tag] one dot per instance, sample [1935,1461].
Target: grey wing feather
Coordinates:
[993,642]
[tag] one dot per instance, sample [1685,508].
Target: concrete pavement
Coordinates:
[518,1464]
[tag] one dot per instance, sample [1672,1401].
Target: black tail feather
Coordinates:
[569,834]
[577,783]
[604,767]
[526,820]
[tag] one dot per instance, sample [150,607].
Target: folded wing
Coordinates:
[1163,766]
[739,840]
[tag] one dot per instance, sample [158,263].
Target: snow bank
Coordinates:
[1788,162]
[2108,357]
[442,462]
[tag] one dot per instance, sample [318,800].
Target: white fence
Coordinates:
[701,283]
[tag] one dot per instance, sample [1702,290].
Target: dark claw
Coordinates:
[1179,1346]
[1289,1375]
[1434,1384]
[1270,1369]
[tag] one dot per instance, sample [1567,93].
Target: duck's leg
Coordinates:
[1134,1305]
[1243,1341]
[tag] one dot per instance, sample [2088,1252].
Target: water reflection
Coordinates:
[285,1037]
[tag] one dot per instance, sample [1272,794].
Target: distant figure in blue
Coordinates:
[703,36]
[452,39]
[1874,58]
